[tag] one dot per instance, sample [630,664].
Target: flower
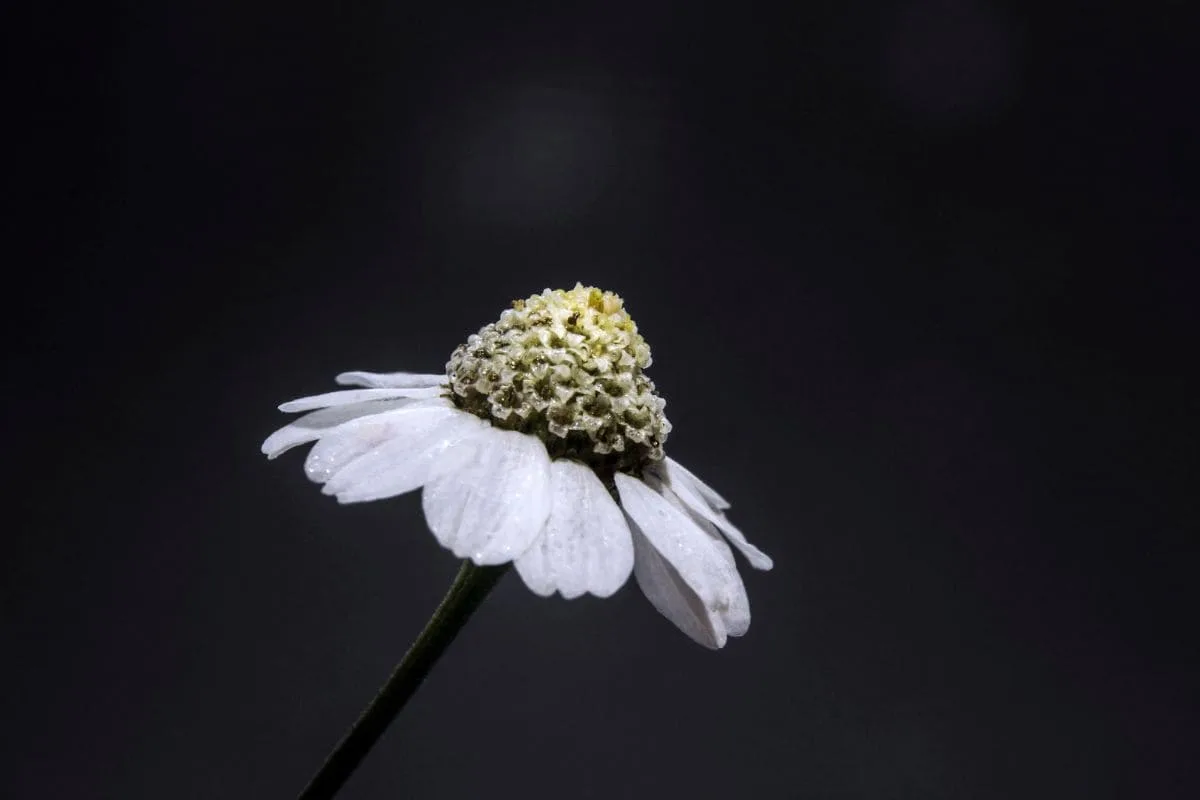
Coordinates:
[542,445]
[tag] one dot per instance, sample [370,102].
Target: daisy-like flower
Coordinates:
[541,444]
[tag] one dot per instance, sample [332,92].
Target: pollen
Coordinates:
[567,367]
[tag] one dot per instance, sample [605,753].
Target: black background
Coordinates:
[916,276]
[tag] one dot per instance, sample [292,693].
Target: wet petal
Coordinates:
[694,581]
[357,396]
[390,380]
[490,496]
[314,425]
[670,595]
[676,472]
[377,457]
[687,487]
[586,545]
[736,624]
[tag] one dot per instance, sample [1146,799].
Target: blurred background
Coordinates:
[918,280]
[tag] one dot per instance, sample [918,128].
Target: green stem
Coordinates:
[470,587]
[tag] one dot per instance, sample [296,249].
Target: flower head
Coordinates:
[566,367]
[542,445]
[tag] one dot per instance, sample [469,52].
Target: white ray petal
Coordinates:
[390,380]
[314,425]
[586,545]
[688,492]
[704,595]
[675,472]
[366,435]
[398,456]
[670,596]
[736,624]
[357,396]
[490,496]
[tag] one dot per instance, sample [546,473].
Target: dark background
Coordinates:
[916,276]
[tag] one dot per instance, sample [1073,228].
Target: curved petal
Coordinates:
[671,596]
[490,496]
[377,457]
[687,487]
[586,545]
[390,380]
[357,396]
[687,575]
[676,472]
[366,435]
[737,624]
[314,425]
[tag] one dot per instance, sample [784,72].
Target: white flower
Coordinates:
[542,445]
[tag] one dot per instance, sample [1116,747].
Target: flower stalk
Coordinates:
[470,587]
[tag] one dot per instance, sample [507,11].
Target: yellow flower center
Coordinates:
[567,367]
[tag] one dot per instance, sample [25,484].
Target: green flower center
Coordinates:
[566,367]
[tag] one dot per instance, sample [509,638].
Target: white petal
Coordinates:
[675,471]
[390,380]
[586,545]
[670,596]
[684,485]
[490,496]
[357,396]
[373,458]
[314,425]
[736,624]
[695,583]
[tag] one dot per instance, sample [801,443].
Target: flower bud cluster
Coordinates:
[567,367]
